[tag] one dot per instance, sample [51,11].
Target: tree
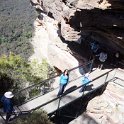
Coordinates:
[16,73]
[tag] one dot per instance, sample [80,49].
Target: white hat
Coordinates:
[8,94]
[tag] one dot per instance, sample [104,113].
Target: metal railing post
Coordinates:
[115,72]
[91,65]
[59,103]
[81,101]
[58,111]
[60,97]
[106,77]
[2,117]
[44,82]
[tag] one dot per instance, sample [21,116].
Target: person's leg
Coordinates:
[82,88]
[61,89]
[101,66]
[64,87]
[97,63]
[8,116]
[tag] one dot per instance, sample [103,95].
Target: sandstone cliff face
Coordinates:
[47,44]
[104,109]
[108,108]
[101,20]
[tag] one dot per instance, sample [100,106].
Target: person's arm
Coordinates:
[2,99]
[61,78]
[106,56]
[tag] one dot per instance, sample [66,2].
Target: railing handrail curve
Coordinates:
[43,82]
[69,92]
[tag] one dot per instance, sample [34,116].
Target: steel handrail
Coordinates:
[115,78]
[119,78]
[69,92]
[63,94]
[44,81]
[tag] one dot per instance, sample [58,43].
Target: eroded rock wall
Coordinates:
[110,111]
[102,19]
[47,44]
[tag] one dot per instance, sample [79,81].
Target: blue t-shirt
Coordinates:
[85,80]
[64,79]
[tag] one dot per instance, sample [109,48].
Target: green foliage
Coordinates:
[16,69]
[6,82]
[34,92]
[2,39]
[42,70]
[16,27]
[34,118]
[27,34]
[16,74]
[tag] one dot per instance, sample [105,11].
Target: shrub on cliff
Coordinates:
[16,27]
[16,73]
[33,118]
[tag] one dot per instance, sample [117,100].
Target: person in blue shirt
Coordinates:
[7,104]
[94,47]
[85,80]
[64,78]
